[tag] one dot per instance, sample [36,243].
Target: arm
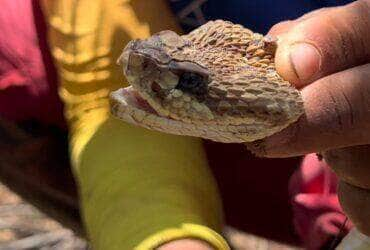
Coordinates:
[138,188]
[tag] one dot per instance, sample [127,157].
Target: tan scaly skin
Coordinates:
[217,82]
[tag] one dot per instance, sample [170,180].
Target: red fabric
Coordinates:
[254,190]
[27,77]
[316,209]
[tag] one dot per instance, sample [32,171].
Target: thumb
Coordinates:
[325,42]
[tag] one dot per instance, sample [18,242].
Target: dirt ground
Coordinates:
[23,227]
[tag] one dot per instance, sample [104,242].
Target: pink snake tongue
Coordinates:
[136,100]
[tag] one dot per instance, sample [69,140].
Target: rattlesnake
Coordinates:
[218,82]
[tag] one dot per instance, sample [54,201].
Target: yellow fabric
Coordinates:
[185,231]
[134,183]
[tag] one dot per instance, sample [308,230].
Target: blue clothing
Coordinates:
[258,15]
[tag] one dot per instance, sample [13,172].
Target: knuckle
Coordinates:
[363,5]
[314,13]
[344,35]
[342,113]
[281,27]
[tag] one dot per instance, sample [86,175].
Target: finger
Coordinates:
[355,202]
[282,27]
[286,26]
[325,42]
[351,164]
[316,12]
[337,114]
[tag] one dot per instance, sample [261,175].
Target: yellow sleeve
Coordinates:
[138,188]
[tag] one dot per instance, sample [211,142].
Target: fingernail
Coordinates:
[306,60]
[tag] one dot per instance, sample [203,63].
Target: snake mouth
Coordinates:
[127,105]
[130,98]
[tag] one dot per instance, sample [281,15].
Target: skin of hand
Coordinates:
[186,244]
[326,54]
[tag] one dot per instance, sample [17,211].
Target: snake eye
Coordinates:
[192,83]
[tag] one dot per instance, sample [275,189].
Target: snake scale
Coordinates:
[218,82]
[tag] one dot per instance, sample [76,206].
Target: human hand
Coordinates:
[326,54]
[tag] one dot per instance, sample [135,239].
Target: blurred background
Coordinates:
[22,226]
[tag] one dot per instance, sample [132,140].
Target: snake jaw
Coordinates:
[128,106]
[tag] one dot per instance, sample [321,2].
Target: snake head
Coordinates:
[167,84]
[218,82]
